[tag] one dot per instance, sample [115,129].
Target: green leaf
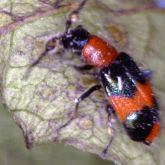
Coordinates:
[45,100]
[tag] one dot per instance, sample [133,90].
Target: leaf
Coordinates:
[44,101]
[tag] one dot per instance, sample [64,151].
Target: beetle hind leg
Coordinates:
[110,111]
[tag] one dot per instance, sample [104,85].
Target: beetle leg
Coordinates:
[78,101]
[85,95]
[147,73]
[110,111]
[50,45]
[83,67]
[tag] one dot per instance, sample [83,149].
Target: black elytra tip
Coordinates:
[139,124]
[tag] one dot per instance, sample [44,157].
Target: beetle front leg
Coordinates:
[83,67]
[50,45]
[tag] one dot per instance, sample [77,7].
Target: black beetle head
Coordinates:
[76,39]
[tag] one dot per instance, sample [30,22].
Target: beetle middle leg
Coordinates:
[79,100]
[85,95]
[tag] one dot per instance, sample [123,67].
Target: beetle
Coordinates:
[128,89]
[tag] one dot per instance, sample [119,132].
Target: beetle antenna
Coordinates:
[51,44]
[73,16]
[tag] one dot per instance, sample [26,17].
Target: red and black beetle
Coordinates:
[127,88]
